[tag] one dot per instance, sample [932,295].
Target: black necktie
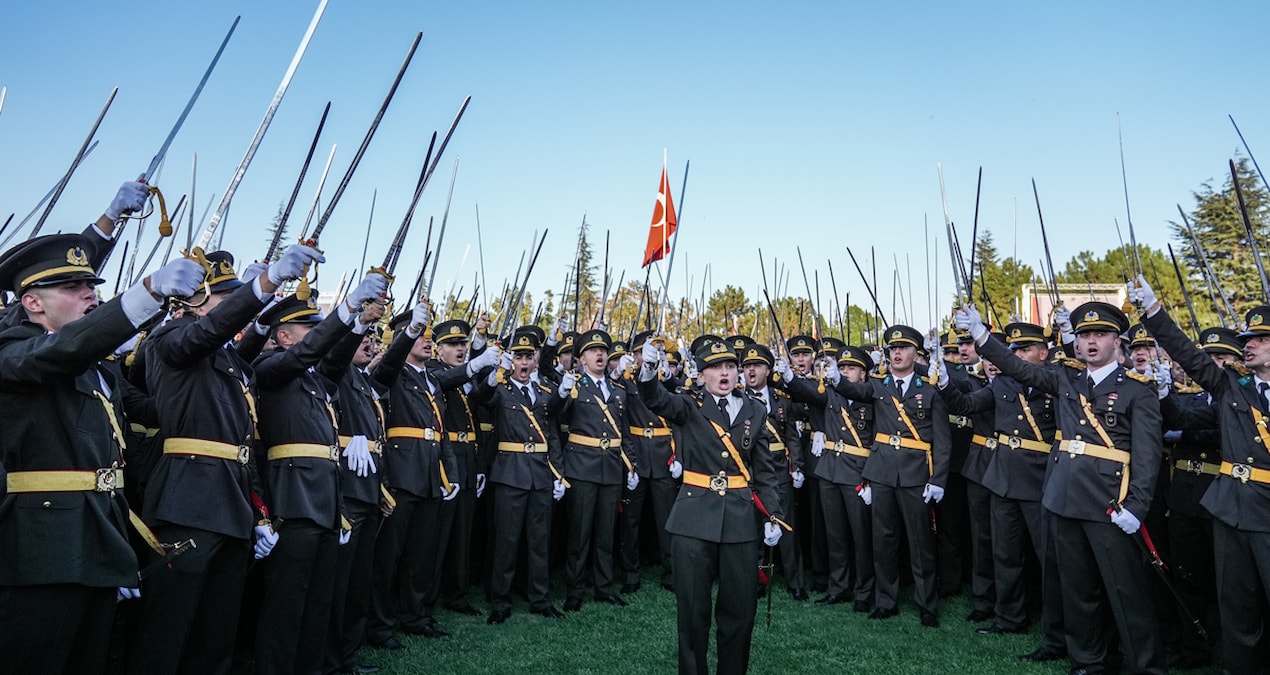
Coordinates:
[723,408]
[524,391]
[1261,391]
[899,387]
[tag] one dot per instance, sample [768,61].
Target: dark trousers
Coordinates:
[816,548]
[896,509]
[1243,589]
[951,517]
[1015,525]
[520,512]
[849,531]
[299,583]
[350,603]
[661,493]
[404,584]
[1103,568]
[55,628]
[189,608]
[1193,572]
[1055,635]
[697,564]
[789,549]
[979,512]
[456,572]
[592,519]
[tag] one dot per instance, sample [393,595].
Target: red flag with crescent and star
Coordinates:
[664,223]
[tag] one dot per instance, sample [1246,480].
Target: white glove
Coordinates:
[266,539]
[127,593]
[1125,520]
[480,485]
[651,353]
[876,355]
[345,535]
[798,478]
[932,491]
[180,278]
[291,265]
[1142,297]
[486,359]
[556,332]
[676,469]
[602,326]
[632,480]
[771,533]
[359,458]
[782,368]
[127,346]
[623,364]
[567,382]
[420,317]
[131,197]
[690,369]
[818,443]
[557,490]
[505,361]
[373,286]
[453,492]
[968,318]
[1063,319]
[832,374]
[1163,381]
[866,494]
[941,372]
[252,271]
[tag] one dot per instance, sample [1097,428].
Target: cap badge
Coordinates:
[454,330]
[718,348]
[523,341]
[1016,333]
[226,268]
[76,256]
[1212,337]
[1141,334]
[1254,320]
[895,335]
[752,354]
[1091,316]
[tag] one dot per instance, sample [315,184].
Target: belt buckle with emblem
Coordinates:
[719,483]
[604,444]
[462,436]
[1015,442]
[244,454]
[335,453]
[1195,466]
[1076,448]
[105,481]
[529,446]
[1241,471]
[895,440]
[839,446]
[429,435]
[961,421]
[991,443]
[648,432]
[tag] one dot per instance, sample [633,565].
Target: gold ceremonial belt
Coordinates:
[898,441]
[841,447]
[959,421]
[650,432]
[720,483]
[776,447]
[1243,472]
[374,447]
[305,450]
[528,448]
[461,436]
[1077,447]
[487,426]
[1014,443]
[143,430]
[1198,468]
[414,432]
[99,480]
[601,443]
[202,448]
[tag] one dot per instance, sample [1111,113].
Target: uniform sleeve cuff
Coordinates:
[138,305]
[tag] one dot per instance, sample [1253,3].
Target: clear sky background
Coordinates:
[807,124]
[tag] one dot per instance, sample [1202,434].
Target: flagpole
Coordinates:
[661,322]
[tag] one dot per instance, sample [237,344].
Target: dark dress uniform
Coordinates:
[652,448]
[302,480]
[712,522]
[63,516]
[967,517]
[1238,499]
[952,535]
[787,453]
[1096,560]
[202,484]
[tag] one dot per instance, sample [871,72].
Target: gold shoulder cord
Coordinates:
[617,431]
[117,431]
[930,455]
[543,439]
[846,419]
[1031,420]
[736,457]
[436,414]
[1102,433]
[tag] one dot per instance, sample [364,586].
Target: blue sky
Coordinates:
[807,124]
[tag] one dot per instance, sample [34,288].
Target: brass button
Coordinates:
[1020,417]
[723,454]
[1082,422]
[47,504]
[1203,455]
[231,370]
[1250,460]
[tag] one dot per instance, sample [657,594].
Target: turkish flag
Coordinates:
[664,223]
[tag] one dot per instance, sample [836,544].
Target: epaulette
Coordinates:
[1076,364]
[778,392]
[880,376]
[1192,389]
[1238,368]
[1144,379]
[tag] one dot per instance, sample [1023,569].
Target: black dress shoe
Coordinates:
[880,613]
[998,629]
[860,607]
[431,630]
[627,589]
[799,594]
[929,619]
[362,668]
[1044,654]
[979,616]
[835,599]
[465,608]
[549,611]
[615,600]
[498,616]
[392,644]
[572,604]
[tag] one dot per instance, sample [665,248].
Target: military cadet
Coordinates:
[652,452]
[525,476]
[596,464]
[453,373]
[964,534]
[756,365]
[1143,351]
[1099,484]
[62,518]
[422,472]
[846,448]
[906,471]
[204,482]
[809,423]
[1239,498]
[301,472]
[1018,448]
[727,471]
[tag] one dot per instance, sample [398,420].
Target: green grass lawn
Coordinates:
[804,638]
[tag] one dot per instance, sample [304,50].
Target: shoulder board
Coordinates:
[1192,389]
[879,376]
[1073,363]
[1238,368]
[1135,375]
[780,393]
